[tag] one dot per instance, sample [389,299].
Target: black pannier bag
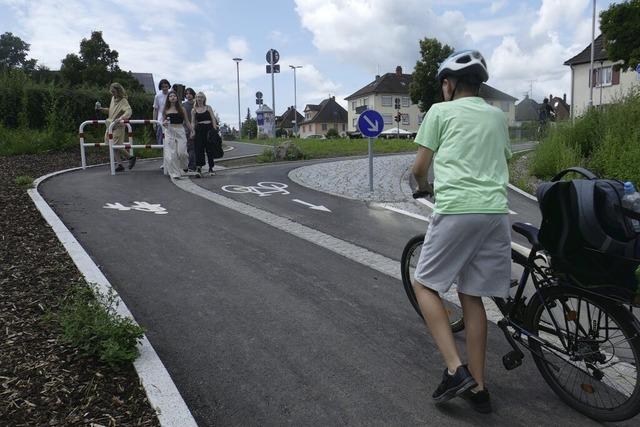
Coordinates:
[215,140]
[588,233]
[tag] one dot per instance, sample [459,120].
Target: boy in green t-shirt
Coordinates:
[468,239]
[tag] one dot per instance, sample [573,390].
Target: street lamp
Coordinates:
[295,100]
[238,80]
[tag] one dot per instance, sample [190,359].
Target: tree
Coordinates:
[96,64]
[13,53]
[619,25]
[425,89]
[249,126]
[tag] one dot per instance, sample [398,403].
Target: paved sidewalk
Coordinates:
[350,178]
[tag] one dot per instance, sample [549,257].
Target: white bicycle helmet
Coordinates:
[465,62]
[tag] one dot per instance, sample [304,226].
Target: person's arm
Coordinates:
[193,121]
[421,166]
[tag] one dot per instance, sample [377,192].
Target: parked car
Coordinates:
[396,133]
[315,136]
[354,135]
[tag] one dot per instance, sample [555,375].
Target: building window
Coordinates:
[387,101]
[388,119]
[603,76]
[406,101]
[353,105]
[405,119]
[324,126]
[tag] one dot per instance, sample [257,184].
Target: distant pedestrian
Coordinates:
[119,108]
[158,106]
[175,146]
[190,94]
[204,121]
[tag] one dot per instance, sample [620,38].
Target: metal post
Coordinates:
[295,98]
[238,81]
[273,88]
[371,165]
[593,35]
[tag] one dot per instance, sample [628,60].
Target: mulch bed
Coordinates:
[44,381]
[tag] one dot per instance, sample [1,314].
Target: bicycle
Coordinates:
[585,344]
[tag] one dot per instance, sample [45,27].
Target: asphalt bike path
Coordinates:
[257,326]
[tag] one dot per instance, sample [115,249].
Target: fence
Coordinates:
[130,145]
[97,144]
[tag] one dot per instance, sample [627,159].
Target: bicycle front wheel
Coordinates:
[588,351]
[408,262]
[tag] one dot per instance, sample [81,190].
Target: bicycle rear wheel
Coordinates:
[590,352]
[410,256]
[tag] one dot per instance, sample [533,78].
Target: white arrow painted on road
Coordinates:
[373,126]
[314,207]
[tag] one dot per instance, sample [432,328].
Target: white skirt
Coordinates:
[175,151]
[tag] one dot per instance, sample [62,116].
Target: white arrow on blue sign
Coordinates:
[370,123]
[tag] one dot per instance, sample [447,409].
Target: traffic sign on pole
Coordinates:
[370,123]
[273,56]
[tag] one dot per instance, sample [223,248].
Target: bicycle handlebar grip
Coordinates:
[421,194]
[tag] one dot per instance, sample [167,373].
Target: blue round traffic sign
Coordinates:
[370,123]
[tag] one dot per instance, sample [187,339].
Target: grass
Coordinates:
[31,141]
[92,325]
[603,140]
[24,181]
[323,148]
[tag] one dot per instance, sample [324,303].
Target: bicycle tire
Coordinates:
[408,255]
[588,394]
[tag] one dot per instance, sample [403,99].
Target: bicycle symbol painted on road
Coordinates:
[262,189]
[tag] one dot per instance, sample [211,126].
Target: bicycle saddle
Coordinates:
[528,231]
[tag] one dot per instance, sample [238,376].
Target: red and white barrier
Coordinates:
[99,144]
[130,145]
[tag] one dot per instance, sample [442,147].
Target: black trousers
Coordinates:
[202,145]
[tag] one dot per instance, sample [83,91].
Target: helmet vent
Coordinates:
[463,59]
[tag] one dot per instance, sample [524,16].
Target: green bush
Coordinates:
[332,134]
[92,325]
[604,140]
[29,104]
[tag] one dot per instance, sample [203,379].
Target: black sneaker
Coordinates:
[480,401]
[132,161]
[120,168]
[454,385]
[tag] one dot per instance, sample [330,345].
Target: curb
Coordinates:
[161,391]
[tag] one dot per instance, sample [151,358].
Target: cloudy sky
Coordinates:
[340,44]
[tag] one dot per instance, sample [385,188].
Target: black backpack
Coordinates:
[587,231]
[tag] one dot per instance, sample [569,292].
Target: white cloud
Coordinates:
[238,46]
[555,15]
[497,6]
[377,32]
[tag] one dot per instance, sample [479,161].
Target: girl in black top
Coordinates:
[203,120]
[175,144]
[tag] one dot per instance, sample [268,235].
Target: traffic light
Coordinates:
[398,117]
[397,103]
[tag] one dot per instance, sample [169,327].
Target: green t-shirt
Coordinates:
[470,139]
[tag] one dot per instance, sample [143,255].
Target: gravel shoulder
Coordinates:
[44,381]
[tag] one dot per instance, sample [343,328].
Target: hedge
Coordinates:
[30,105]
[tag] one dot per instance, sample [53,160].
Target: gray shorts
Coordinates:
[474,250]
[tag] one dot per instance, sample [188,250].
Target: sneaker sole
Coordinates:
[468,384]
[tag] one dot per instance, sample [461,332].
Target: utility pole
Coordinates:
[238,81]
[593,35]
[295,98]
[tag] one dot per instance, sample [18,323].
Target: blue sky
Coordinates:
[341,44]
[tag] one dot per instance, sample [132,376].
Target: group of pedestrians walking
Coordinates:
[189,129]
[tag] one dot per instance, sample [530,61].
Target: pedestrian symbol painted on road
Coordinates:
[370,123]
[138,206]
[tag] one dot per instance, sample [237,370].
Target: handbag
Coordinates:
[214,138]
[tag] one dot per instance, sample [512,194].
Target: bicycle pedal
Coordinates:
[512,360]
